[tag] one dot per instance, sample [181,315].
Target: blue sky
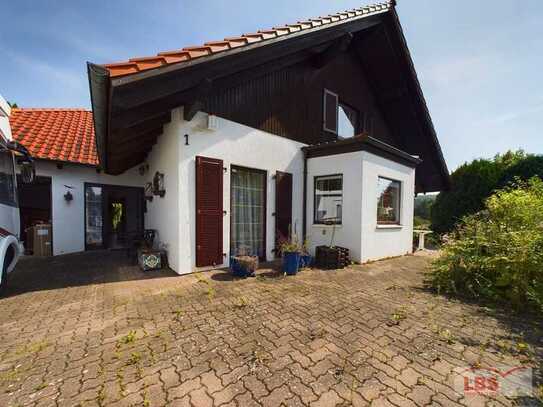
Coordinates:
[479,62]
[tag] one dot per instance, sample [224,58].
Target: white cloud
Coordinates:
[513,115]
[49,73]
[459,70]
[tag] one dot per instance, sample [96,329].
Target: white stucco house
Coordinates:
[317,130]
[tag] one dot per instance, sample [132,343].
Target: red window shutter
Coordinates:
[209,211]
[283,208]
[330,109]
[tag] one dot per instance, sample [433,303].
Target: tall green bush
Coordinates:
[473,182]
[526,168]
[497,253]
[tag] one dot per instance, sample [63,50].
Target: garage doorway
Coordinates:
[113,216]
[35,209]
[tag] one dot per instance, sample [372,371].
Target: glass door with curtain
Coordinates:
[94,216]
[248,212]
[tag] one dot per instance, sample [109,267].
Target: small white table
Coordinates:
[421,234]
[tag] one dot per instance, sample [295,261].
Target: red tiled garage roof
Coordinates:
[135,65]
[56,134]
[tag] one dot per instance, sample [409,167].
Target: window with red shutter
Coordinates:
[283,208]
[209,211]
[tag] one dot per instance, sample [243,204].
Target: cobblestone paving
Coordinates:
[86,330]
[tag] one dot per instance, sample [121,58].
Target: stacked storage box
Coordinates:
[329,258]
[39,240]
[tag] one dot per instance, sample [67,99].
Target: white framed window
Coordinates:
[338,117]
[328,200]
[330,111]
[388,201]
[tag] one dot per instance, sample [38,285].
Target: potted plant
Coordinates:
[243,265]
[306,260]
[290,250]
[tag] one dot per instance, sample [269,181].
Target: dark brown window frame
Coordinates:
[319,222]
[400,190]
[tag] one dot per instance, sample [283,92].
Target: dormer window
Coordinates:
[339,118]
[347,121]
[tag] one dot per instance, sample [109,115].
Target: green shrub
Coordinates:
[526,168]
[420,223]
[497,254]
[423,205]
[473,182]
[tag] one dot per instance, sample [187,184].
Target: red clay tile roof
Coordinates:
[56,134]
[135,65]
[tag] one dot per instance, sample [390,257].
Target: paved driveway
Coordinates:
[89,330]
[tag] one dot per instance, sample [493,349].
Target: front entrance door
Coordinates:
[248,212]
[283,209]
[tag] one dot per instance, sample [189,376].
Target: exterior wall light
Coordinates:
[158,184]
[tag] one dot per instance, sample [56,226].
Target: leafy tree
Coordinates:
[497,253]
[423,206]
[530,166]
[471,184]
[12,105]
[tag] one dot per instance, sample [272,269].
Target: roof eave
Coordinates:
[99,85]
[362,142]
[421,99]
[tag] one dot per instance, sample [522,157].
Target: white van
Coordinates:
[12,154]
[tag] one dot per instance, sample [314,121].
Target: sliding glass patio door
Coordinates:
[248,212]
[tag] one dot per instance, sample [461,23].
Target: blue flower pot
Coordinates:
[305,260]
[291,263]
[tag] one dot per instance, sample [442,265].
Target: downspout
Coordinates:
[304,199]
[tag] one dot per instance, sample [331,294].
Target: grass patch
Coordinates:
[10,375]
[41,386]
[31,348]
[242,302]
[398,315]
[130,337]
[135,358]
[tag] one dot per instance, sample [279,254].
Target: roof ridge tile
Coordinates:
[135,65]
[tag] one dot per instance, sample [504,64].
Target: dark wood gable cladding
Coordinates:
[277,86]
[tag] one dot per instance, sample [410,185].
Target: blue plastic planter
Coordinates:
[291,263]
[305,260]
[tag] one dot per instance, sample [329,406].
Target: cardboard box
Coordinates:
[41,240]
